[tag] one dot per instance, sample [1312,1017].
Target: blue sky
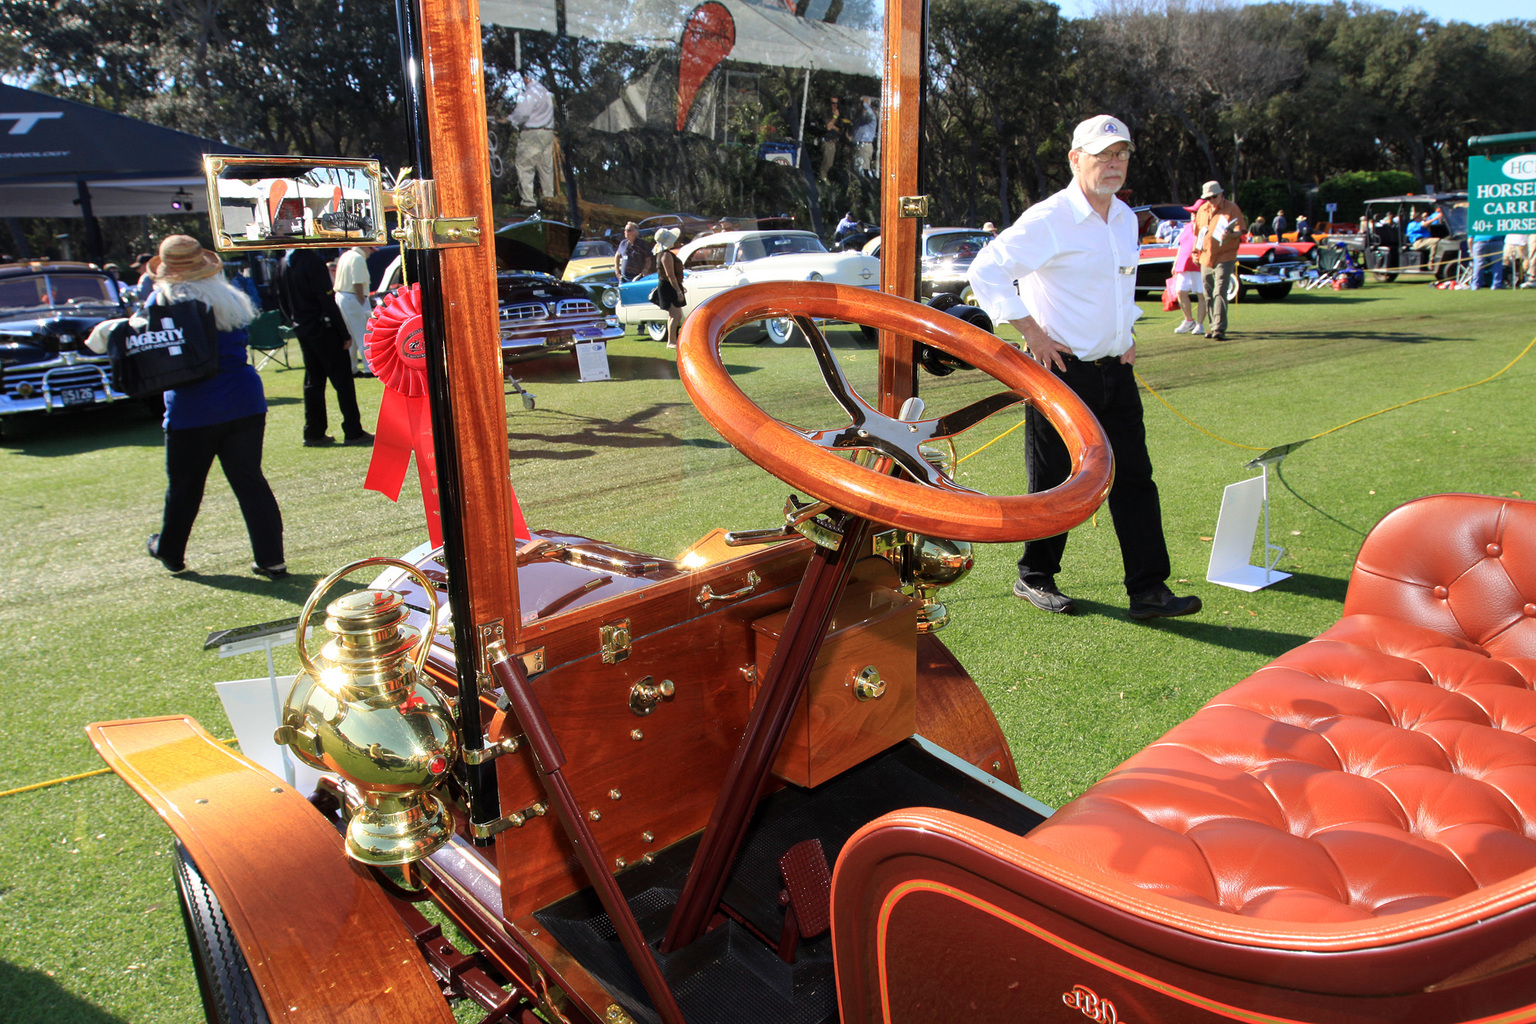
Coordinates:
[1478,12]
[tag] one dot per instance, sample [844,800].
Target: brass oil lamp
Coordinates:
[365,710]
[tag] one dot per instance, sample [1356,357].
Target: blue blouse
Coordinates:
[236,391]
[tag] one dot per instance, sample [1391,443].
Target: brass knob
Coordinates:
[646,694]
[867,684]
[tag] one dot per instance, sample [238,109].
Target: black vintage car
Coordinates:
[539,312]
[46,310]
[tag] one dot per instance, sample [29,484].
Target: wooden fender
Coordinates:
[320,937]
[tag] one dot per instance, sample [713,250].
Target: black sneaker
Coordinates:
[363,440]
[153,547]
[1161,603]
[319,442]
[1044,596]
[271,572]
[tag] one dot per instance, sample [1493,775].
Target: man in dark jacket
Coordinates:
[304,294]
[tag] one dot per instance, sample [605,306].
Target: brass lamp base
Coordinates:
[933,615]
[399,830]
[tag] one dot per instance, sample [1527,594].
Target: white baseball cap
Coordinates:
[1099,133]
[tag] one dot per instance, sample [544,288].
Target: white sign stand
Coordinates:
[1237,527]
[255,706]
[592,360]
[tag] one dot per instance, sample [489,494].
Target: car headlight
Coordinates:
[609,297]
[813,276]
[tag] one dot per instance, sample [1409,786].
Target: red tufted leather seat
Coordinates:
[1357,818]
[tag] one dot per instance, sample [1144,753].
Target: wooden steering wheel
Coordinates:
[929,502]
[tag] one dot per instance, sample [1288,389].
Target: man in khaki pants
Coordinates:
[1219,228]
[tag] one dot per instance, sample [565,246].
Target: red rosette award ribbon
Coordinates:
[397,353]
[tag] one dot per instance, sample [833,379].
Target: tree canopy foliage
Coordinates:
[1285,95]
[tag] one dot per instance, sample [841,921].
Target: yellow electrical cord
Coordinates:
[67,778]
[1263,448]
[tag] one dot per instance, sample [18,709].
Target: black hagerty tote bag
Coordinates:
[177,347]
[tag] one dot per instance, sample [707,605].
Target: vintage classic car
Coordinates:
[46,310]
[539,312]
[718,262]
[1269,268]
[749,783]
[947,255]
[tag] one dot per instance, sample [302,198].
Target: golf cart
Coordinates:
[570,781]
[1382,245]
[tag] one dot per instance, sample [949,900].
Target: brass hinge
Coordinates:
[492,752]
[420,225]
[914,206]
[517,819]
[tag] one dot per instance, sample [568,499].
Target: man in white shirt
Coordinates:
[533,115]
[351,287]
[1073,256]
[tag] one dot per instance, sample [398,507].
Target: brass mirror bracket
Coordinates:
[517,819]
[914,206]
[487,633]
[420,225]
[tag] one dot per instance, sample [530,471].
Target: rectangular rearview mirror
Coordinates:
[294,202]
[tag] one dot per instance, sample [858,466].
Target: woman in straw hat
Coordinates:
[221,418]
[669,281]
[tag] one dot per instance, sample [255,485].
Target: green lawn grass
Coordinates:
[94,630]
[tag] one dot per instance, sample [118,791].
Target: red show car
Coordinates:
[1269,268]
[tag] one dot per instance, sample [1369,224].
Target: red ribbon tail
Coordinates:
[392,443]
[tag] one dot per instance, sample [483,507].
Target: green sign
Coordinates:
[1501,191]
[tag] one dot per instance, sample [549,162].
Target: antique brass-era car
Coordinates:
[750,784]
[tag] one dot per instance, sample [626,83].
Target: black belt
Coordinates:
[1068,358]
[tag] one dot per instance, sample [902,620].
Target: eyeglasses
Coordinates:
[1107,155]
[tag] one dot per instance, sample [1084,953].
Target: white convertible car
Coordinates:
[714,263]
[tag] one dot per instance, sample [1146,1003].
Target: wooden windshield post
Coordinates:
[901,101]
[445,87]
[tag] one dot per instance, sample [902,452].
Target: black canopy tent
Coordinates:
[59,158]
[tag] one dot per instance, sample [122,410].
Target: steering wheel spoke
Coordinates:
[921,498]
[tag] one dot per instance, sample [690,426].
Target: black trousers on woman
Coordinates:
[189,455]
[1108,388]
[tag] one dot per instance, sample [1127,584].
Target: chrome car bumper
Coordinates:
[516,343]
[55,387]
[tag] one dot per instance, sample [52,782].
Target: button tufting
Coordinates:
[1494,551]
[1442,593]
[1530,610]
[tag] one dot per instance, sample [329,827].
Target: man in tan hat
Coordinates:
[1219,230]
[1064,275]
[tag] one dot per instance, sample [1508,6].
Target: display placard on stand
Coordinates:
[1237,526]
[592,360]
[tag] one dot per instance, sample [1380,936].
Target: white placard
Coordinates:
[592,360]
[1236,530]
[253,708]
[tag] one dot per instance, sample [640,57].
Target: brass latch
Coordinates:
[420,225]
[615,641]
[914,206]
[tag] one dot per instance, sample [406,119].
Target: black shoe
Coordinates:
[272,572]
[153,547]
[1161,603]
[319,442]
[363,440]
[1044,596]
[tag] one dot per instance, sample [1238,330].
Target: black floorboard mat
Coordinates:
[729,976]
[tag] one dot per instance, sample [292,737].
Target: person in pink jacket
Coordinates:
[1186,274]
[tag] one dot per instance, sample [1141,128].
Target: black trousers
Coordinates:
[1110,391]
[189,454]
[326,360]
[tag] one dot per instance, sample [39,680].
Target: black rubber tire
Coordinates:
[1274,292]
[229,991]
[870,334]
